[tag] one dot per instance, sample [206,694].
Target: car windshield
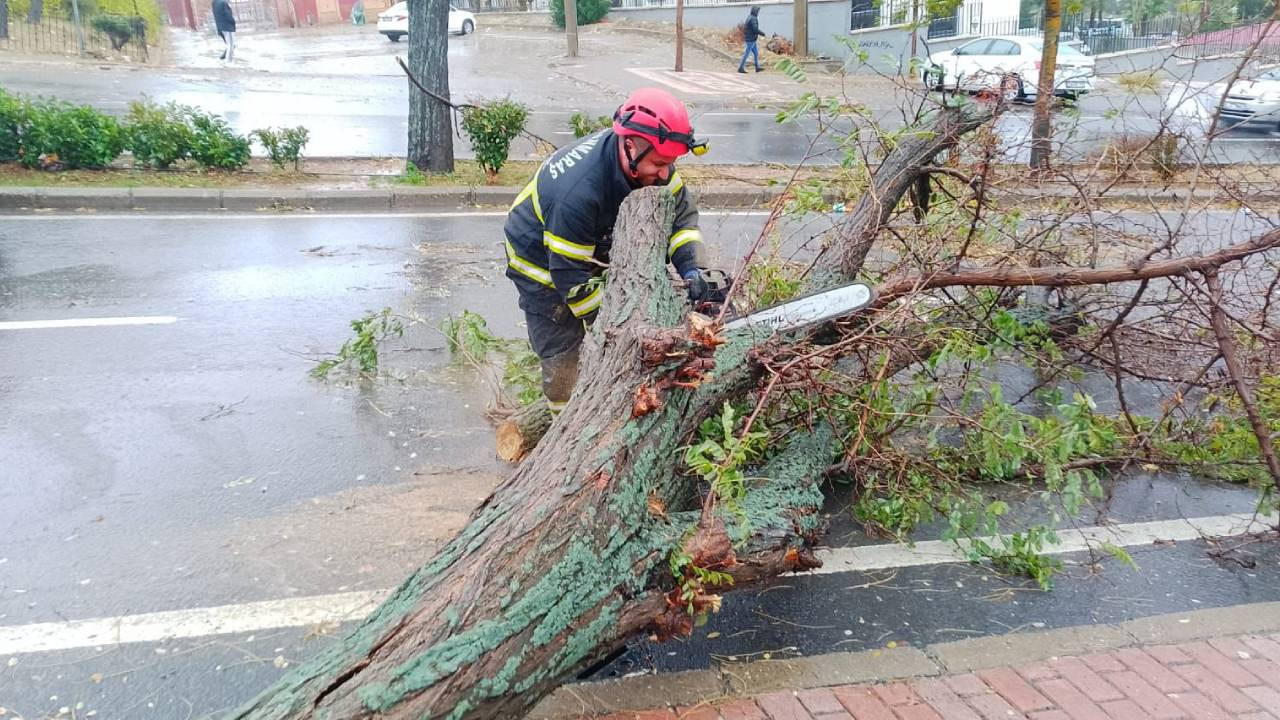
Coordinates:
[1063,49]
[1270,75]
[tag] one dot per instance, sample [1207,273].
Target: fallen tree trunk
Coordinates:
[520,432]
[569,557]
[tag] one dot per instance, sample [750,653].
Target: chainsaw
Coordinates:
[790,315]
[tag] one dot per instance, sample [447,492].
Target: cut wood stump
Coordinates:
[520,432]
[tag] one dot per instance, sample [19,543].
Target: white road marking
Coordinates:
[932,552]
[87,322]
[353,606]
[155,627]
[699,82]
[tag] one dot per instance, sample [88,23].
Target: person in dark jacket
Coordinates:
[751,33]
[559,229]
[225,22]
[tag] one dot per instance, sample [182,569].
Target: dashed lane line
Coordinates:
[87,322]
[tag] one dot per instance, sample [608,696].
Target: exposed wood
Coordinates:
[520,432]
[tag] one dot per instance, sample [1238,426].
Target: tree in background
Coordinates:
[430,132]
[36,12]
[4,19]
[679,36]
[1041,125]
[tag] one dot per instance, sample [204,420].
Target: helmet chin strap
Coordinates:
[632,161]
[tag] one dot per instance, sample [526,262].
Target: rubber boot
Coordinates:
[559,375]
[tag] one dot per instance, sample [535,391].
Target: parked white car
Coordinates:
[1255,101]
[985,63]
[394,21]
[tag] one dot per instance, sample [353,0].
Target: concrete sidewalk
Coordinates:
[1222,663]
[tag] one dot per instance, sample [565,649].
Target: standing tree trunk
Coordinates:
[571,27]
[679,35]
[36,12]
[430,129]
[4,19]
[1041,123]
[800,29]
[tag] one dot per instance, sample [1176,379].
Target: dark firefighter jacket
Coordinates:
[560,227]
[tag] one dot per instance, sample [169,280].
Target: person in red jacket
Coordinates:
[559,230]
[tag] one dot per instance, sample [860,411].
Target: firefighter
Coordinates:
[559,229]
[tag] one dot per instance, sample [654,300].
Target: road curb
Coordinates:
[410,199]
[155,199]
[696,686]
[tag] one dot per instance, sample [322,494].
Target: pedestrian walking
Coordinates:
[750,34]
[225,22]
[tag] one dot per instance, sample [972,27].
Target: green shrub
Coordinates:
[77,136]
[158,135]
[120,29]
[283,145]
[589,11]
[11,112]
[583,125]
[213,144]
[492,126]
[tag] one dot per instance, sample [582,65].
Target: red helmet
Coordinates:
[657,116]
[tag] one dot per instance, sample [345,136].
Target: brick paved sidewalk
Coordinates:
[1233,678]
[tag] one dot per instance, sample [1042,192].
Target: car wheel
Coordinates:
[468,27]
[393,38]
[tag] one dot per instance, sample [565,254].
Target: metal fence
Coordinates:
[1103,36]
[480,6]
[56,36]
[962,20]
[251,15]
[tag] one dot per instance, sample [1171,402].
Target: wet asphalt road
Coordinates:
[195,464]
[346,89]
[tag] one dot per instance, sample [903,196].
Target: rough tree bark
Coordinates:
[569,557]
[565,560]
[1041,121]
[430,126]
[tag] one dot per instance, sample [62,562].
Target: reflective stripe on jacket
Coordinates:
[560,227]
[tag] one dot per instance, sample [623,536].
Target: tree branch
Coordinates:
[1064,276]
[1228,348]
